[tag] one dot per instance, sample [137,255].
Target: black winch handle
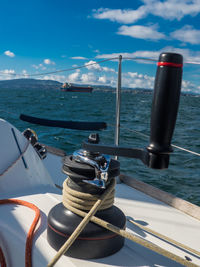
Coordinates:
[163,117]
[164,108]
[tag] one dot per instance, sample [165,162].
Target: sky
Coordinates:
[42,36]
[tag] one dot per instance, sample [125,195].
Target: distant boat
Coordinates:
[68,87]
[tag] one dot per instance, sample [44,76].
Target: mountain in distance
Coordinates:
[29,84]
[34,84]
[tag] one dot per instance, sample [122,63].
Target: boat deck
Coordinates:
[135,204]
[26,177]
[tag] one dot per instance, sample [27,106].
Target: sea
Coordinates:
[181,179]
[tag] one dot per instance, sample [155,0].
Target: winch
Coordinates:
[88,175]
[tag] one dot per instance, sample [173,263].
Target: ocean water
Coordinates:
[183,176]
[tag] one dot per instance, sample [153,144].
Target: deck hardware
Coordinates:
[31,136]
[163,117]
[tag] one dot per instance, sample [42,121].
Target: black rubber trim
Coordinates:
[75,125]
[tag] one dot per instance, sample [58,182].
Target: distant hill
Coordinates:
[29,84]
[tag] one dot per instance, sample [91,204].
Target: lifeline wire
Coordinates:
[89,64]
[178,147]
[57,71]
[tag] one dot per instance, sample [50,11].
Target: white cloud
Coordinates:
[141,32]
[25,74]
[9,53]
[102,79]
[7,71]
[141,54]
[59,78]
[137,80]
[82,58]
[74,77]
[39,66]
[93,65]
[47,61]
[7,74]
[106,69]
[188,55]
[119,15]
[89,78]
[169,9]
[173,9]
[187,34]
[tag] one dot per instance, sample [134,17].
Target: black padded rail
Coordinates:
[75,125]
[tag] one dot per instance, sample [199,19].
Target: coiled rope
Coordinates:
[84,201]
[2,259]
[30,234]
[83,223]
[90,217]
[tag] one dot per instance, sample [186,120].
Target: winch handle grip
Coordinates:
[165,104]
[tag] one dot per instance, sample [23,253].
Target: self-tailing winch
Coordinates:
[90,172]
[88,175]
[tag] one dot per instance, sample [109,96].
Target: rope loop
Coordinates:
[83,201]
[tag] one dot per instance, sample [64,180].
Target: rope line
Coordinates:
[30,234]
[165,238]
[83,201]
[90,217]
[82,224]
[2,259]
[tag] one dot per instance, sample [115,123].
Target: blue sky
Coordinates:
[45,35]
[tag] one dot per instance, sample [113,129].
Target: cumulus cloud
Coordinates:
[7,71]
[25,74]
[7,74]
[93,65]
[141,54]
[188,55]
[119,15]
[9,53]
[141,32]
[39,66]
[187,34]
[102,79]
[82,58]
[173,9]
[47,61]
[74,77]
[89,78]
[169,9]
[59,78]
[137,80]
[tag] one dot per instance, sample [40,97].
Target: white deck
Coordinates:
[15,220]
